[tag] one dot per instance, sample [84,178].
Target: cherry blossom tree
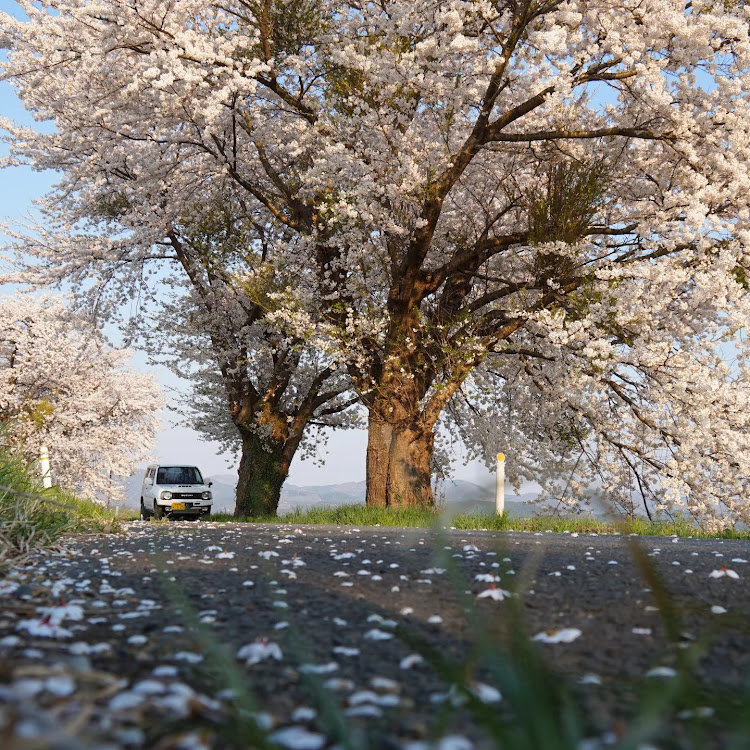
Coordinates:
[63,387]
[519,159]
[211,323]
[657,424]
[187,264]
[269,396]
[439,185]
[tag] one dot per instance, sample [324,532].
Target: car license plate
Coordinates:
[178,506]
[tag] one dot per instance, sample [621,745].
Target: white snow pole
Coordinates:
[500,485]
[44,466]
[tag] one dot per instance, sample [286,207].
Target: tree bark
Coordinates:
[398,464]
[379,435]
[264,467]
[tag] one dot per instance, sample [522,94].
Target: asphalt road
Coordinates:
[207,635]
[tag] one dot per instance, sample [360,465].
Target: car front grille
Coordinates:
[186,495]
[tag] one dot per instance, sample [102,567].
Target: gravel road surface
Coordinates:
[201,635]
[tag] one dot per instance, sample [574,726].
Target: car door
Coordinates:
[147,492]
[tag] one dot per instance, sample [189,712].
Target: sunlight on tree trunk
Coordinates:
[399,461]
[263,470]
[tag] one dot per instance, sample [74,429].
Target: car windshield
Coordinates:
[178,475]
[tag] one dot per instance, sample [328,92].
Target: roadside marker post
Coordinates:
[500,485]
[44,467]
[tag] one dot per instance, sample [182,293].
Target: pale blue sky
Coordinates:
[345,453]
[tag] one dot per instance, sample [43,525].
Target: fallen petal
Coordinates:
[566,635]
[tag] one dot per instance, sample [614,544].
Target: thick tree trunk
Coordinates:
[398,464]
[264,467]
[378,450]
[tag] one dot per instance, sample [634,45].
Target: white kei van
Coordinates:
[174,491]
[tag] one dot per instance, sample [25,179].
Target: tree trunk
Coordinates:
[379,435]
[264,467]
[398,464]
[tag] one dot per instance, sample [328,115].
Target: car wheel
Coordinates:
[158,511]
[144,514]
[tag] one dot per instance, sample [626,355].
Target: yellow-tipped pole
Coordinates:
[500,484]
[44,466]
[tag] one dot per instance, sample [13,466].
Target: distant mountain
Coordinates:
[347,493]
[458,496]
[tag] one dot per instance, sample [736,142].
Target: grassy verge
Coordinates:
[361,515]
[32,517]
[347,515]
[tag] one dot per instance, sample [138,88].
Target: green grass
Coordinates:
[347,515]
[32,517]
[362,515]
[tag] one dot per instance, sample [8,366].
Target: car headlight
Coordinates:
[166,495]
[206,495]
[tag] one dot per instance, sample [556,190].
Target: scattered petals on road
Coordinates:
[114,614]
